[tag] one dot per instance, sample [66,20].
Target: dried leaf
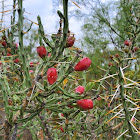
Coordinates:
[75,4]
[31,21]
[5,11]
[74,136]
[65,82]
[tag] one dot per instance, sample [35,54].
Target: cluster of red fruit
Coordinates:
[111,57]
[128,43]
[85,103]
[82,65]
[8,49]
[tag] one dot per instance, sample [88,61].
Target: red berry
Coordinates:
[83,64]
[4,43]
[126,43]
[41,50]
[17,60]
[133,119]
[31,71]
[52,75]
[61,128]
[18,135]
[80,89]
[49,54]
[116,55]
[31,64]
[70,41]
[135,49]
[9,101]
[8,54]
[110,64]
[85,104]
[62,115]
[15,45]
[99,98]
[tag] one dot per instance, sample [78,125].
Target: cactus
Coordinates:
[42,96]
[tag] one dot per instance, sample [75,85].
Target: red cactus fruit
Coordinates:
[110,64]
[59,102]
[41,50]
[15,45]
[52,75]
[83,64]
[31,64]
[99,98]
[126,43]
[17,60]
[70,41]
[61,128]
[9,101]
[85,103]
[133,119]
[135,49]
[49,54]
[80,89]
[8,54]
[31,71]
[117,55]
[4,43]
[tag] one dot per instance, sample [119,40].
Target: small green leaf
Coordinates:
[40,86]
[60,14]
[89,86]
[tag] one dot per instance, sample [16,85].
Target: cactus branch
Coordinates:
[22,52]
[127,113]
[41,29]
[12,27]
[65,28]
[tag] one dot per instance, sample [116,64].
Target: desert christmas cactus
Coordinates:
[48,97]
[38,87]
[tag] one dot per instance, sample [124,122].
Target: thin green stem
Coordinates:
[12,28]
[22,52]
[127,113]
[41,30]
